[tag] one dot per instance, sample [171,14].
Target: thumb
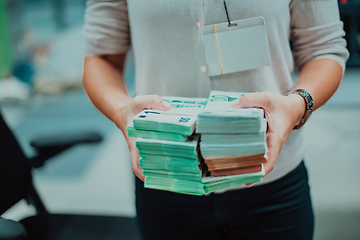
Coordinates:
[150,102]
[248,100]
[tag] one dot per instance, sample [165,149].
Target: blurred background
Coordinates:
[41,53]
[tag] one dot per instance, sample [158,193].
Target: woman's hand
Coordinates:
[124,117]
[104,83]
[282,114]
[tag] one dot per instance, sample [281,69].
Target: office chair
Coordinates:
[16,184]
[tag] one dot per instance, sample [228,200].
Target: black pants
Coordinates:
[279,210]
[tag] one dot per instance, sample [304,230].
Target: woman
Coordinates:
[167,39]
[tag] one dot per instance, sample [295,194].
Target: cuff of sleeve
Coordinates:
[106,46]
[336,58]
[324,41]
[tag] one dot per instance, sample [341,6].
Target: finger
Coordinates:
[150,102]
[136,169]
[273,144]
[134,154]
[248,100]
[268,168]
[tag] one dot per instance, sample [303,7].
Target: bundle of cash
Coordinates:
[175,185]
[233,141]
[177,167]
[132,132]
[169,163]
[212,184]
[236,171]
[172,166]
[180,119]
[219,117]
[232,162]
[162,121]
[167,146]
[236,149]
[207,184]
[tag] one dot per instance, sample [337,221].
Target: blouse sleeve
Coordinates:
[106,27]
[317,32]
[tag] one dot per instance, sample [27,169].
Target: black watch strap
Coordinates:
[308,102]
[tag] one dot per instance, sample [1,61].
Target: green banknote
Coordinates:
[132,132]
[191,159]
[168,148]
[215,186]
[212,184]
[179,119]
[212,138]
[238,149]
[192,167]
[189,176]
[219,117]
[195,185]
[175,185]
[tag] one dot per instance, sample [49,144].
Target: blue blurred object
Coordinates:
[24,70]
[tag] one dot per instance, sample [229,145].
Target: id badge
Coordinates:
[239,47]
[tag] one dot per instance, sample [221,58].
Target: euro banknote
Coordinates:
[239,149]
[168,148]
[173,165]
[206,185]
[179,119]
[132,132]
[219,117]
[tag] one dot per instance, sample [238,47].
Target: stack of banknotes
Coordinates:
[170,151]
[168,148]
[232,140]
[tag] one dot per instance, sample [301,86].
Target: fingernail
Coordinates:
[165,104]
[235,103]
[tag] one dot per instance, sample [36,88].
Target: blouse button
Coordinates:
[198,25]
[203,69]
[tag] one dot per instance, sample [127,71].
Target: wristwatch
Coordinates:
[308,102]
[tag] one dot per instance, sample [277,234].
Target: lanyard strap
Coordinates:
[227,14]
